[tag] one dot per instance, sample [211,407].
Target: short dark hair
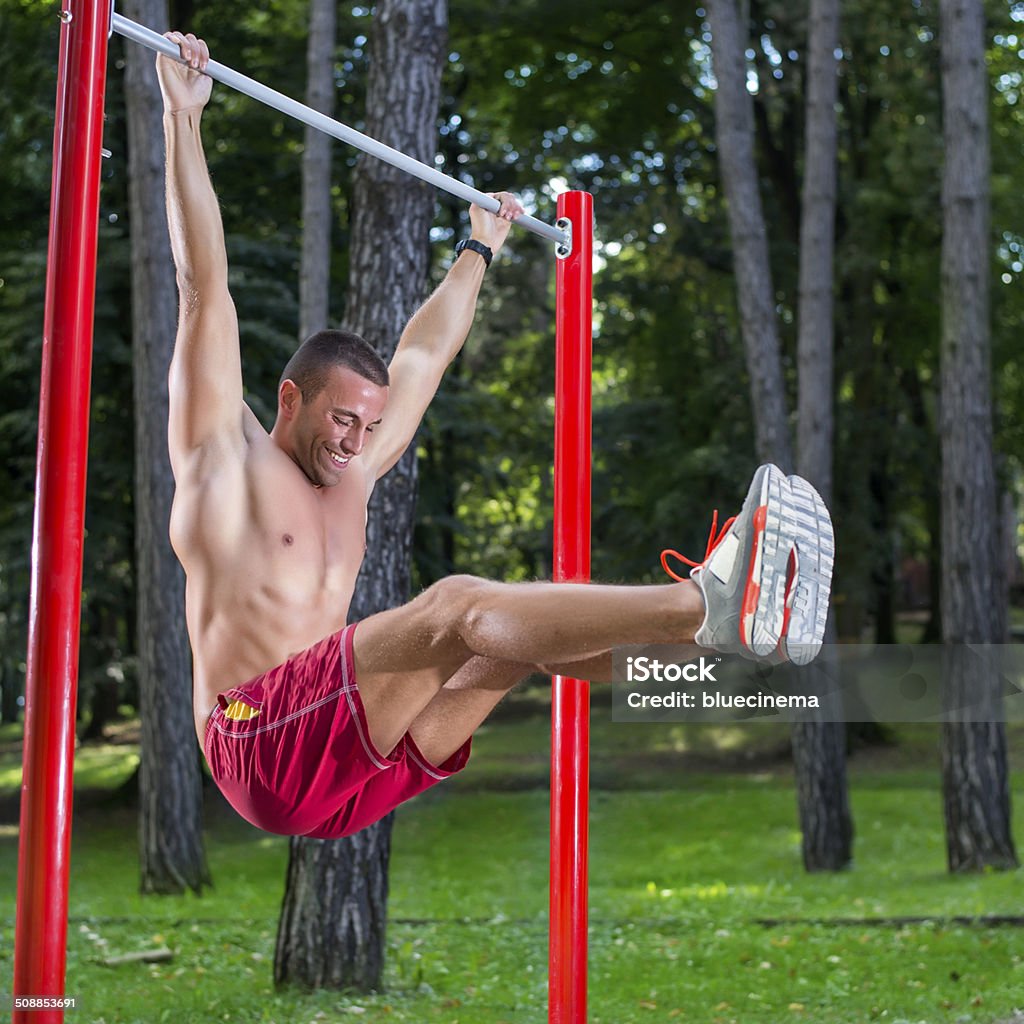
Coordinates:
[309,364]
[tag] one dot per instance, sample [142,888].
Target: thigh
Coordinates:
[597,669]
[403,656]
[457,710]
[464,702]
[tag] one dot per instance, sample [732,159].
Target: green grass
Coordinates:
[685,859]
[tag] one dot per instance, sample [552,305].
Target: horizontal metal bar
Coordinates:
[221,73]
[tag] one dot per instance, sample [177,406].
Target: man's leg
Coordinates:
[405,656]
[763,591]
[462,705]
[457,710]
[465,701]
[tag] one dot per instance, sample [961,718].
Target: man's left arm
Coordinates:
[432,339]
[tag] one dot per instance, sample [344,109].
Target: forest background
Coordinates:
[614,98]
[621,100]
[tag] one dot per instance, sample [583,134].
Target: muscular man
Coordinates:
[314,728]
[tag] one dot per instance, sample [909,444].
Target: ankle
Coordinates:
[693,607]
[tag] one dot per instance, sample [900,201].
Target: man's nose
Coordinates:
[352,442]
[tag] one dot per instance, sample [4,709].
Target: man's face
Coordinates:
[331,429]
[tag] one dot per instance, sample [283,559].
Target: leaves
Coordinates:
[613,96]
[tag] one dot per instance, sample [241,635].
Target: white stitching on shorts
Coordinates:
[245,698]
[426,767]
[282,721]
[348,688]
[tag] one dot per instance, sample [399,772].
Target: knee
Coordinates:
[455,592]
[454,603]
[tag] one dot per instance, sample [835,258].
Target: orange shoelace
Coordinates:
[714,539]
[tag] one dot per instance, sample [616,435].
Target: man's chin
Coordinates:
[318,478]
[329,475]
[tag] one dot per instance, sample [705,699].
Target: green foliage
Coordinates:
[616,98]
[27,63]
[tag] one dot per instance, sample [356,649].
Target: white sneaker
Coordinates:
[766,575]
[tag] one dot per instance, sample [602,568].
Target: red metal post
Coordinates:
[55,602]
[570,707]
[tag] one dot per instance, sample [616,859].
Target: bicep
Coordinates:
[205,378]
[415,377]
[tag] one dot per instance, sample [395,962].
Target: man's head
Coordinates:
[331,395]
[319,353]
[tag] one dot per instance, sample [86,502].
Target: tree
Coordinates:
[332,926]
[27,84]
[819,754]
[975,776]
[171,852]
[734,133]
[817,233]
[315,270]
[819,748]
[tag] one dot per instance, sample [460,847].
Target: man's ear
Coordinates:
[289,399]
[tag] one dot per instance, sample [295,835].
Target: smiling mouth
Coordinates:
[339,460]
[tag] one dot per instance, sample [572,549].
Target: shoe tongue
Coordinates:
[723,559]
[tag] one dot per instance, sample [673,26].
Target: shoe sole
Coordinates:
[762,618]
[814,540]
[791,517]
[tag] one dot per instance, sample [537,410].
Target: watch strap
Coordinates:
[478,247]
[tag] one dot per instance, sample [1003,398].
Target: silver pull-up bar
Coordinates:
[221,73]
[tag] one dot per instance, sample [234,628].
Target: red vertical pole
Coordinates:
[570,706]
[55,602]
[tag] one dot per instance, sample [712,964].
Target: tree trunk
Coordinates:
[171,853]
[334,915]
[315,269]
[910,384]
[317,945]
[734,137]
[104,701]
[974,763]
[817,234]
[883,567]
[819,748]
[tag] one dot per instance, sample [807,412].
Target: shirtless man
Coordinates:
[314,728]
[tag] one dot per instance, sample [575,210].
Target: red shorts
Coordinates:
[291,750]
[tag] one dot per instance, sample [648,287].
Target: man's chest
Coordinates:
[309,538]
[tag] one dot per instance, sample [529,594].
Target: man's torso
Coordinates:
[270,560]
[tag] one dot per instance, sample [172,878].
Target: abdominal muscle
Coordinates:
[269,574]
[230,649]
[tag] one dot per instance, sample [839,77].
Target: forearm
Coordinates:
[193,215]
[441,325]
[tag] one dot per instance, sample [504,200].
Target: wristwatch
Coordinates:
[472,243]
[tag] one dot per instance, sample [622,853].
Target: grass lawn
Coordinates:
[693,843]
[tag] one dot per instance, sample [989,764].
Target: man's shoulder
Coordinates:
[233,449]
[221,450]
[252,430]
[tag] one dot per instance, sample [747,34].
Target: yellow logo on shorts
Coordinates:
[239,711]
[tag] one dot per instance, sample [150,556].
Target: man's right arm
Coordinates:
[205,378]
